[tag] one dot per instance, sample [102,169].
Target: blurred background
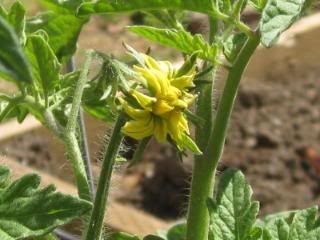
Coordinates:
[274,136]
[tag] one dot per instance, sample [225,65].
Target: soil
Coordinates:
[274,138]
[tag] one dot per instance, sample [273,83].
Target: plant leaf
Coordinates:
[45,65]
[63,31]
[28,211]
[14,65]
[65,6]
[123,236]
[46,237]
[103,6]
[3,12]
[258,4]
[304,224]
[234,213]
[178,39]
[153,237]
[233,45]
[17,19]
[278,16]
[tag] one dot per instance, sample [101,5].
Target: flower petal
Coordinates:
[183,81]
[161,107]
[145,101]
[160,130]
[151,80]
[134,113]
[139,129]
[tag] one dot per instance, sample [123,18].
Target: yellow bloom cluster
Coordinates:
[161,102]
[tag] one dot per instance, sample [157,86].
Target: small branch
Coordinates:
[83,141]
[77,97]
[71,142]
[95,227]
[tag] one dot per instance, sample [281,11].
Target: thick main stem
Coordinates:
[205,168]
[95,227]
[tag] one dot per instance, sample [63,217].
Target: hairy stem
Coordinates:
[205,167]
[95,227]
[70,139]
[83,140]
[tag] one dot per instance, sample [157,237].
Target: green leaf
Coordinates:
[3,12]
[65,6]
[13,63]
[258,4]
[123,236]
[45,65]
[47,237]
[17,19]
[178,39]
[28,211]
[303,225]
[111,6]
[233,45]
[234,213]
[278,16]
[4,176]
[176,232]
[153,237]
[63,31]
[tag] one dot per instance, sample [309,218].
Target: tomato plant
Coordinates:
[145,98]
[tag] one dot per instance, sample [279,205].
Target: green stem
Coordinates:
[95,227]
[77,97]
[70,139]
[205,167]
[78,168]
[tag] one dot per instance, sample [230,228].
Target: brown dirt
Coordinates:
[273,138]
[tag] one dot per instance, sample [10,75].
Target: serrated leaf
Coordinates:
[234,213]
[233,45]
[277,17]
[103,6]
[178,39]
[63,31]
[303,225]
[45,65]
[17,19]
[14,65]
[28,211]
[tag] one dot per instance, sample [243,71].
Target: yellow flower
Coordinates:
[162,101]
